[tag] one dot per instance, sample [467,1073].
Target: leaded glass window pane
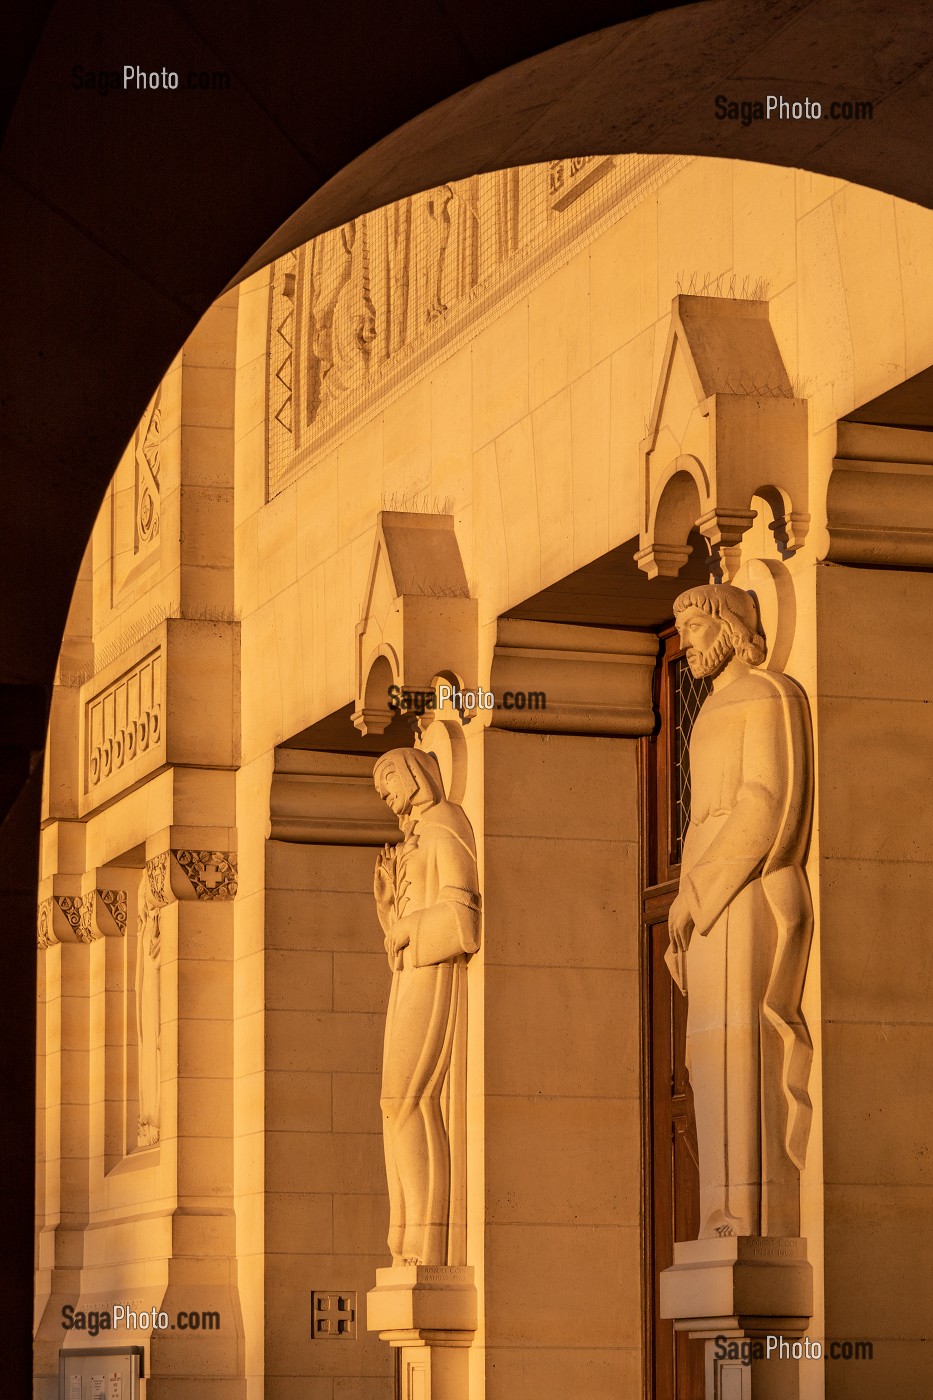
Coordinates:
[689,694]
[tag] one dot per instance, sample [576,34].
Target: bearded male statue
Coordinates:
[428,902]
[741,923]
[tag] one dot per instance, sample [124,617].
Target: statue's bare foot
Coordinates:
[411,1259]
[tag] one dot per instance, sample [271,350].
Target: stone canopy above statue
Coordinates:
[419,622]
[726,426]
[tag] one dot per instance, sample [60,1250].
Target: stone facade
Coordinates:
[483,439]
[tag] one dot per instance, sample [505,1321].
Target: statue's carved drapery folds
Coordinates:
[148,1011]
[741,924]
[427,898]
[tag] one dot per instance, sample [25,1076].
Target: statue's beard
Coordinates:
[711,661]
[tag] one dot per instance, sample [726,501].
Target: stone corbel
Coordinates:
[726,426]
[82,915]
[419,623]
[572,680]
[328,799]
[67,915]
[192,872]
[879,505]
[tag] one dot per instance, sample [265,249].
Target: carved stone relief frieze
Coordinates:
[148,491]
[82,918]
[356,312]
[211,874]
[569,179]
[77,911]
[187,873]
[123,721]
[45,935]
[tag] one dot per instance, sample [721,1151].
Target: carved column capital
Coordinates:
[210,874]
[189,873]
[76,912]
[45,936]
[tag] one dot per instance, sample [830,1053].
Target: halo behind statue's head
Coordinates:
[418,771]
[735,609]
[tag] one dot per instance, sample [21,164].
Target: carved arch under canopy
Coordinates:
[725,418]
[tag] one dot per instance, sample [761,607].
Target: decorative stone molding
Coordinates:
[157,871]
[82,918]
[327,799]
[149,477]
[114,903]
[45,936]
[210,874]
[879,503]
[123,720]
[569,179]
[77,912]
[419,622]
[430,1315]
[189,873]
[361,310]
[594,680]
[726,426]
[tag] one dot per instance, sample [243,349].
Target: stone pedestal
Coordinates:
[429,1313]
[749,1298]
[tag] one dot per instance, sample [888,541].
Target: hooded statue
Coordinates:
[742,921]
[427,899]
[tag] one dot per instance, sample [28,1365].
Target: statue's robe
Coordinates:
[439,909]
[148,1026]
[742,877]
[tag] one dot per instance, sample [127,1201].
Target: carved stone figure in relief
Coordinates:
[148,1012]
[741,923]
[427,898]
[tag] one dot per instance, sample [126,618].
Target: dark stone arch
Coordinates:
[124,217]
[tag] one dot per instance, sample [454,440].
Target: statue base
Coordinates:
[749,1298]
[427,1311]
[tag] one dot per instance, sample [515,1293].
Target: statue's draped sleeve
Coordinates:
[450,925]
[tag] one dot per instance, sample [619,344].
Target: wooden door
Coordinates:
[674,1362]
